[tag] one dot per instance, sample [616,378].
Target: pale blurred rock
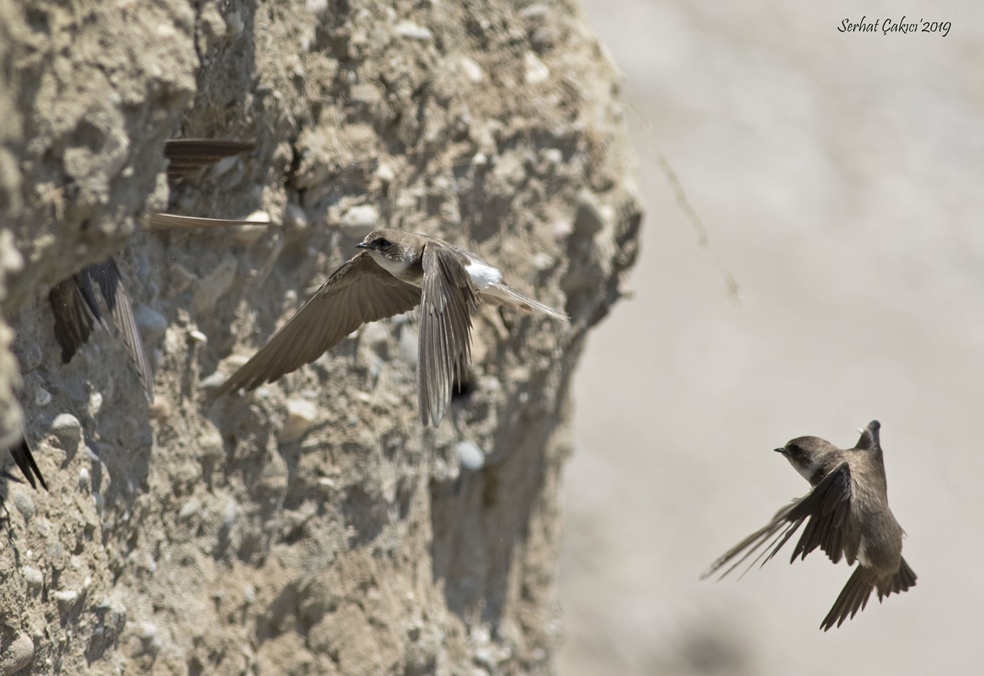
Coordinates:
[18,655]
[301,415]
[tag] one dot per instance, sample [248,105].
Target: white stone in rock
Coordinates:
[67,427]
[470,455]
[359,221]
[301,415]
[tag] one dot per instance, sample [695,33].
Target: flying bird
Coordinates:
[846,515]
[394,272]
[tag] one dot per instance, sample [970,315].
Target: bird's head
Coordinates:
[386,245]
[810,456]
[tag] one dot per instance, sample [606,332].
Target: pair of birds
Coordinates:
[846,514]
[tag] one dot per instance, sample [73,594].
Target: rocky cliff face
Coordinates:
[312,526]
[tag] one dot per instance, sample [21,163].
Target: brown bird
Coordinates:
[394,272]
[846,515]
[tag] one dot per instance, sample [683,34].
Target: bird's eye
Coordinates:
[382,243]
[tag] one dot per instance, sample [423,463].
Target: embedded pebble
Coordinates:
[295,218]
[147,631]
[470,455]
[408,344]
[95,403]
[209,289]
[471,69]
[413,31]
[562,230]
[66,597]
[591,214]
[33,576]
[83,478]
[25,505]
[150,322]
[42,397]
[17,655]
[210,441]
[197,336]
[160,410]
[537,10]
[250,234]
[375,334]
[536,70]
[301,415]
[543,261]
[385,173]
[359,221]
[317,7]
[213,381]
[189,509]
[231,512]
[67,428]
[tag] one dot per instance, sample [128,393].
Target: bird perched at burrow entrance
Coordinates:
[394,272]
[73,300]
[846,515]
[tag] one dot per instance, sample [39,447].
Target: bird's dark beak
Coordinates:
[362,245]
[780,450]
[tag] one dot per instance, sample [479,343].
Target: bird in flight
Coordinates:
[394,273]
[846,515]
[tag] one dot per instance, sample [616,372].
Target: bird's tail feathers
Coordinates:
[513,297]
[899,582]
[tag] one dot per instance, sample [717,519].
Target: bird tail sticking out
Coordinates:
[854,597]
[514,298]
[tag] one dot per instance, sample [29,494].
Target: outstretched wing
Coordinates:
[190,154]
[357,292]
[824,509]
[444,349]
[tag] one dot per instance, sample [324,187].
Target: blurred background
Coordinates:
[840,177]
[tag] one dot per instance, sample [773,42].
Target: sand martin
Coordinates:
[394,272]
[846,514]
